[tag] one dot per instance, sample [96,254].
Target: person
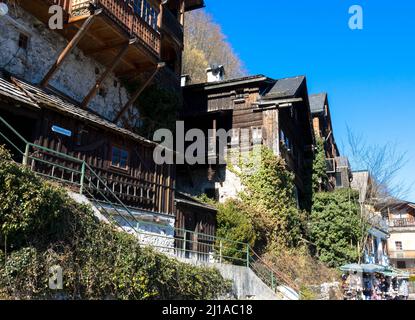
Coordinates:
[367,286]
[356,286]
[383,287]
[345,285]
[403,290]
[376,293]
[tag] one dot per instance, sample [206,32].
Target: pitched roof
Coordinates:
[10,90]
[317,102]
[285,88]
[38,97]
[229,82]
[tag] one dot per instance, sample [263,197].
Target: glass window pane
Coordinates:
[116,154]
[124,159]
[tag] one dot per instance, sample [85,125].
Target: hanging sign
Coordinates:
[62,131]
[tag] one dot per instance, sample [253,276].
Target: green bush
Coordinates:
[336,226]
[234,223]
[41,227]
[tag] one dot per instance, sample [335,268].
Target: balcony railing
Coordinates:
[402,223]
[141,24]
[172,25]
[402,254]
[335,164]
[377,221]
[65,4]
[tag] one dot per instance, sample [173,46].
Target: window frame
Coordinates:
[398,247]
[127,161]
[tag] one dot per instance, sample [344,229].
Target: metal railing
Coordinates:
[402,254]
[402,222]
[185,244]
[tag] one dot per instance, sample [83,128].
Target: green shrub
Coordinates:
[40,226]
[336,226]
[234,223]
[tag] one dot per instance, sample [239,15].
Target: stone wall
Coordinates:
[225,181]
[157,235]
[78,73]
[327,291]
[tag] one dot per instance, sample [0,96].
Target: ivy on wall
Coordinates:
[269,191]
[319,178]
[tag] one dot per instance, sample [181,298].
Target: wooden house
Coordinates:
[275,112]
[65,90]
[338,167]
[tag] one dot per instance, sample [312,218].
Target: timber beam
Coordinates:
[68,49]
[106,73]
[138,92]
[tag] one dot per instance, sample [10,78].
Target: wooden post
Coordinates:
[247,256]
[68,49]
[220,251]
[105,75]
[160,16]
[26,155]
[138,92]
[182,11]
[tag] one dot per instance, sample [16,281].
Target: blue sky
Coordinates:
[369,74]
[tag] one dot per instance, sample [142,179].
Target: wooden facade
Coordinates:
[199,218]
[132,40]
[138,182]
[338,167]
[279,120]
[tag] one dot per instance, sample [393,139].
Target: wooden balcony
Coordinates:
[402,254]
[172,26]
[118,23]
[402,223]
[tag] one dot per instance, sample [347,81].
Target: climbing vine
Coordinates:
[319,178]
[269,191]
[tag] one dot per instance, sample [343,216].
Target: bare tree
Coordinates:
[384,163]
[205,44]
[379,187]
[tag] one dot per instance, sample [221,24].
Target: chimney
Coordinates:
[215,73]
[185,80]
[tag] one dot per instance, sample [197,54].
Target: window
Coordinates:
[119,158]
[285,140]
[339,179]
[137,7]
[398,245]
[256,135]
[149,14]
[401,264]
[23,41]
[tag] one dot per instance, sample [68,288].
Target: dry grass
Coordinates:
[301,268]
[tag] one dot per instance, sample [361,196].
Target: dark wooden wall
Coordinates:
[143,184]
